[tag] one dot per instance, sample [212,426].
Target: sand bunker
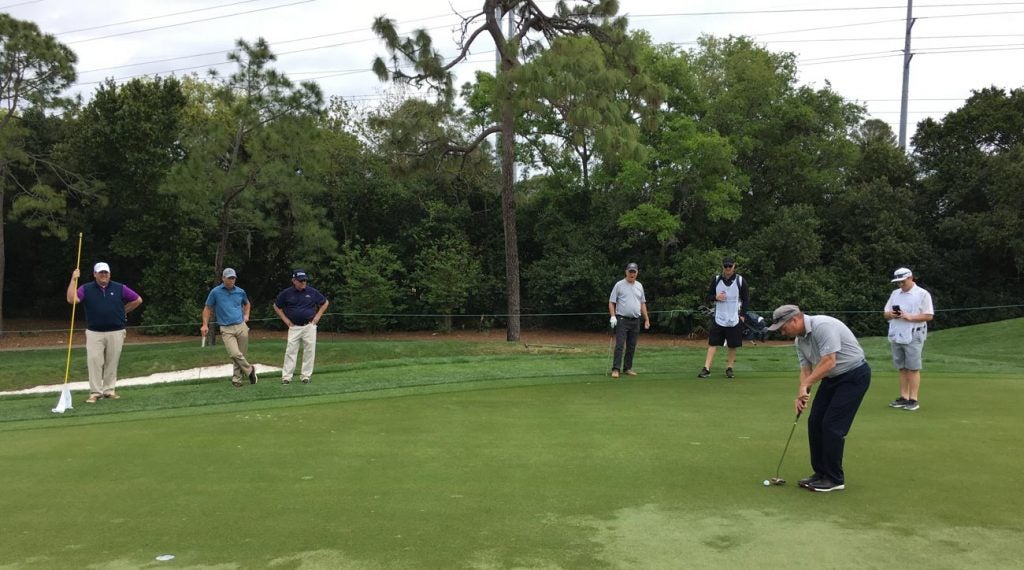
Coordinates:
[203,373]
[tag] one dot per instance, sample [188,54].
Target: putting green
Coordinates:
[660,471]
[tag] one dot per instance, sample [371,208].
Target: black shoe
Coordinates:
[253,378]
[728,373]
[704,373]
[898,402]
[807,481]
[305,380]
[824,485]
[911,405]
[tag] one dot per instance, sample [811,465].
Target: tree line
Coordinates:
[408,215]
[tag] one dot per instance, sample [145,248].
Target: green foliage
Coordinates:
[173,287]
[41,208]
[650,219]
[445,275]
[246,139]
[971,197]
[370,285]
[627,151]
[34,69]
[571,277]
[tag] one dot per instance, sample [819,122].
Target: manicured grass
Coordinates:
[446,457]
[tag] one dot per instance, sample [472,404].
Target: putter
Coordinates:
[776,480]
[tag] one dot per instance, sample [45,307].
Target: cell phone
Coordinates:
[896,309]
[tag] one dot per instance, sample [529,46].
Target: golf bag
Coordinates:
[755,328]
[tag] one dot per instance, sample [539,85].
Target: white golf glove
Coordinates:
[613,321]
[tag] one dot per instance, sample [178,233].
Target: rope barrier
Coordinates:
[529,315]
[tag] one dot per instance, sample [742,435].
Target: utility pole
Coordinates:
[906,75]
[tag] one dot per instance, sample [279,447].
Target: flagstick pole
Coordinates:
[71,331]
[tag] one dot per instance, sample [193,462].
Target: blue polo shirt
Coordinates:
[227,304]
[300,306]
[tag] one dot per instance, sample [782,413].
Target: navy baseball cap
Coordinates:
[300,275]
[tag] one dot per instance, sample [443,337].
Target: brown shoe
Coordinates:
[111,396]
[615,373]
[630,372]
[93,398]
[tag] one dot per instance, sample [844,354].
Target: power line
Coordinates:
[273,43]
[20,4]
[893,53]
[100,27]
[190,22]
[812,10]
[876,39]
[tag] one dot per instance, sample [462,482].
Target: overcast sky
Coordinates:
[856,45]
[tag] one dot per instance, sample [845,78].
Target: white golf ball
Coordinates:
[767,483]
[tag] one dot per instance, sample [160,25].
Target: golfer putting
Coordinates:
[829,354]
[626,306]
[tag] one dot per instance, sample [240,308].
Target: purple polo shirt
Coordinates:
[127,295]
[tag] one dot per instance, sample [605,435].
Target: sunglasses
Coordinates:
[727,266]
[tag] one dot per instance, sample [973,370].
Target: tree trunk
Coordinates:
[222,244]
[508,218]
[3,259]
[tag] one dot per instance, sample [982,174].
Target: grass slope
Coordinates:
[456,456]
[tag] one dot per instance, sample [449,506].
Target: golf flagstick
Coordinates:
[64,402]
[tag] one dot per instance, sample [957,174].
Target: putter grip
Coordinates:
[801,411]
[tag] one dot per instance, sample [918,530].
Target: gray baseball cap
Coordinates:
[228,272]
[633,267]
[782,315]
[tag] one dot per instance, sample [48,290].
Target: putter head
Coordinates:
[777,481]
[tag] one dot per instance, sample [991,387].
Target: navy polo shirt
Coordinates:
[300,306]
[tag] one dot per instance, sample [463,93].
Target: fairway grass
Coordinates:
[494,457]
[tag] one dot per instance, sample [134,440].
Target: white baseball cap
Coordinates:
[901,274]
[101,266]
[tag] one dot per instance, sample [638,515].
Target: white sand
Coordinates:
[204,373]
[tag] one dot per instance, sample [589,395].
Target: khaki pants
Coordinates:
[305,336]
[236,341]
[103,350]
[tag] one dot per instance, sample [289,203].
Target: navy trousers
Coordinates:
[626,334]
[832,414]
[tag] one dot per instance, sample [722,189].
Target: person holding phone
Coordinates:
[908,310]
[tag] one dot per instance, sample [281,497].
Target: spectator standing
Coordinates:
[107,304]
[232,306]
[300,307]
[728,292]
[626,305]
[908,310]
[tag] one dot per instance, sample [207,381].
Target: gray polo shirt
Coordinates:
[627,298]
[827,335]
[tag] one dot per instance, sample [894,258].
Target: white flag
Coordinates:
[64,403]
